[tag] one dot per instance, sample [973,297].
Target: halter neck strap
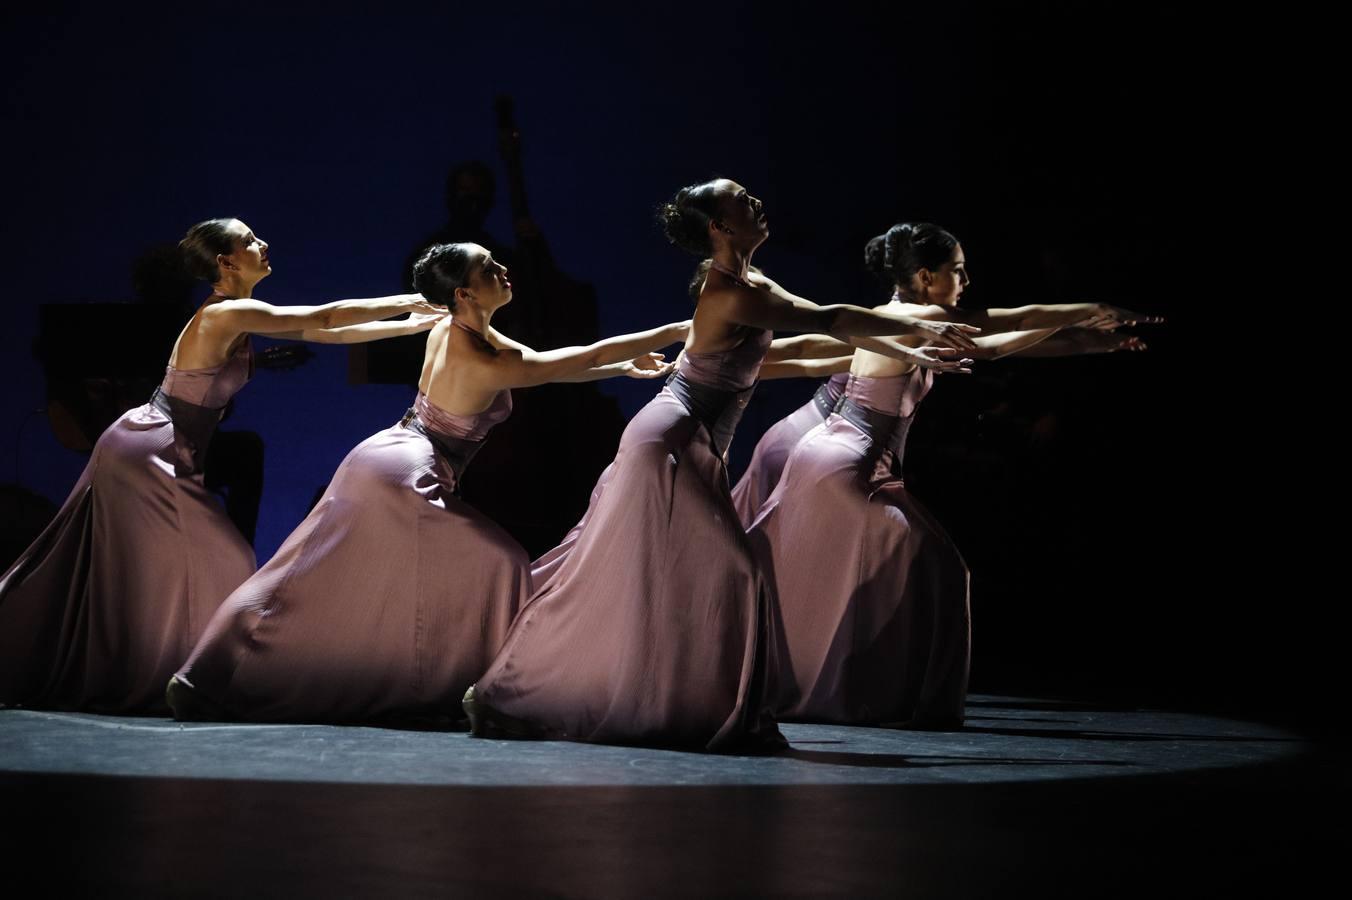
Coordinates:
[717,266]
[478,334]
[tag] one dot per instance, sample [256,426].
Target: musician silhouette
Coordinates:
[535,502]
[471,190]
[567,313]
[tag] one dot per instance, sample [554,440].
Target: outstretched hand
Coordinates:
[648,365]
[949,334]
[419,306]
[941,360]
[1129,342]
[1106,317]
[1089,340]
[420,321]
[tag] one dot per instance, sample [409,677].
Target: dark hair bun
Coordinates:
[906,248]
[685,218]
[697,280]
[440,270]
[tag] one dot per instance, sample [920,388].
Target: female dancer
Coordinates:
[106,603]
[393,595]
[773,449]
[873,594]
[654,628]
[804,356]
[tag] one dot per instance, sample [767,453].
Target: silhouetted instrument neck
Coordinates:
[509,146]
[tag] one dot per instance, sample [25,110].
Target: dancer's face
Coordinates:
[488,285]
[944,285]
[741,216]
[249,259]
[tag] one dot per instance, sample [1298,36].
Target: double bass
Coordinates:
[568,315]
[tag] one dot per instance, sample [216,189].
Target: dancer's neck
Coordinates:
[734,264]
[231,289]
[472,318]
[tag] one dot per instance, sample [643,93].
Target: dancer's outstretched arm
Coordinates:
[804,368]
[1033,316]
[1000,345]
[764,304]
[817,346]
[645,365]
[225,321]
[806,346]
[516,365]
[1082,342]
[367,331]
[1047,342]
[996,346]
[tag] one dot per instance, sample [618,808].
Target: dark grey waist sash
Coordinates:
[455,452]
[718,410]
[826,399]
[193,428]
[878,426]
[884,431]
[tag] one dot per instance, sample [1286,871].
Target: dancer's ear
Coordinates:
[716,226]
[462,295]
[224,262]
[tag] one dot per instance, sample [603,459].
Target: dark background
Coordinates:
[1119,525]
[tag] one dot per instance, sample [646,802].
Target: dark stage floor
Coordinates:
[1039,797]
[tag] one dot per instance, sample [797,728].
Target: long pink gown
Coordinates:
[760,478]
[107,602]
[544,568]
[774,447]
[388,600]
[655,626]
[873,594]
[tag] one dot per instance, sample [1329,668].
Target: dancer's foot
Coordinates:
[487,722]
[761,742]
[190,706]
